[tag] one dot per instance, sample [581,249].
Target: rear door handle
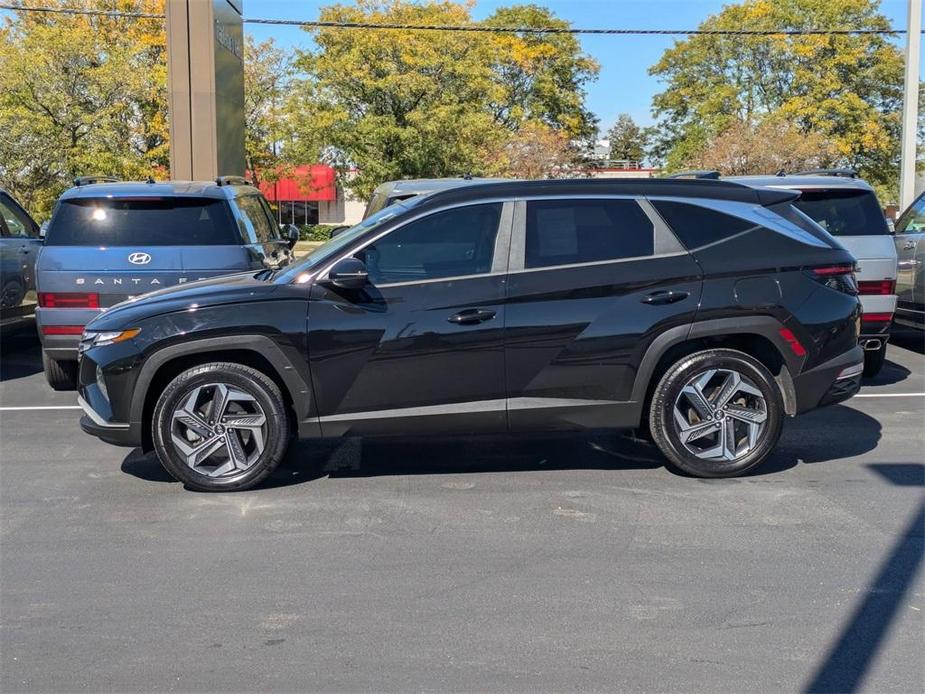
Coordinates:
[471,316]
[668,296]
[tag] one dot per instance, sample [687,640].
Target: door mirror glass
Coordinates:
[349,273]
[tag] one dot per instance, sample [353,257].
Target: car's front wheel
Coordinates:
[716,413]
[220,427]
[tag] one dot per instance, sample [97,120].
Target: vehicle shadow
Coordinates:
[20,356]
[831,434]
[890,373]
[907,338]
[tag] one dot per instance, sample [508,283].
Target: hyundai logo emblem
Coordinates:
[139,258]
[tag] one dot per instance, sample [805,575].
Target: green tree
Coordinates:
[628,142]
[402,103]
[268,75]
[81,94]
[848,89]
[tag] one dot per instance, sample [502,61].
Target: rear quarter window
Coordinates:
[844,212]
[142,222]
[697,226]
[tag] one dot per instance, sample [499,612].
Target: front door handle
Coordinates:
[471,316]
[668,296]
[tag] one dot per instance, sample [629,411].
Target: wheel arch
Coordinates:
[757,336]
[256,351]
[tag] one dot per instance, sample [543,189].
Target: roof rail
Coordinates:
[708,174]
[232,181]
[845,173]
[88,180]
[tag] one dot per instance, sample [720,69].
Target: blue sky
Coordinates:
[623,85]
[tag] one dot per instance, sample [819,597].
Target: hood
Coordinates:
[228,289]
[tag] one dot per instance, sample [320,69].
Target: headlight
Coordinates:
[92,338]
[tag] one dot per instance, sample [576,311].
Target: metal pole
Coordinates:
[910,105]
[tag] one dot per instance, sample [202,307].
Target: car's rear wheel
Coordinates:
[61,375]
[873,361]
[220,427]
[716,413]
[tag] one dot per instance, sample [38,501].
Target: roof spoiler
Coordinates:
[707,174]
[88,180]
[844,173]
[773,196]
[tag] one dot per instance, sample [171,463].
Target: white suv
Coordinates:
[847,208]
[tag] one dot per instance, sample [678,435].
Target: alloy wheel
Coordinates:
[219,430]
[720,415]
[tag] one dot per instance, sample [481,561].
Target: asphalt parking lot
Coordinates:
[554,563]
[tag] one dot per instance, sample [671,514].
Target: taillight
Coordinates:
[68,300]
[838,277]
[62,329]
[877,317]
[877,287]
[792,340]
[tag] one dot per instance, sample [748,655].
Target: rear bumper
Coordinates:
[60,347]
[825,384]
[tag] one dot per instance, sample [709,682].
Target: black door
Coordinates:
[592,282]
[421,347]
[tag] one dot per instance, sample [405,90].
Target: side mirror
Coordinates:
[349,273]
[292,233]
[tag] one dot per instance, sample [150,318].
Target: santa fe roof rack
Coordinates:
[88,180]
[232,181]
[844,173]
[707,174]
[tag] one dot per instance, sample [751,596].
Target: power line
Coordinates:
[477,28]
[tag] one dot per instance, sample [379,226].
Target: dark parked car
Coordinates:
[19,247]
[910,249]
[516,306]
[112,241]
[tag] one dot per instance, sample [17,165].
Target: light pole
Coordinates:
[910,105]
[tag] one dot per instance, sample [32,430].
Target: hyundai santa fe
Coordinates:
[498,307]
[112,240]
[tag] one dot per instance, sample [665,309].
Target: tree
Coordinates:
[846,88]
[772,145]
[534,151]
[268,75]
[628,142]
[404,103]
[81,94]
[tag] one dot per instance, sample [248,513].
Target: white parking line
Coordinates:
[39,407]
[890,395]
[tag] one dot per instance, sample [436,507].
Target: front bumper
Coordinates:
[114,433]
[823,385]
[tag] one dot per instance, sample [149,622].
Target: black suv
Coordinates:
[702,311]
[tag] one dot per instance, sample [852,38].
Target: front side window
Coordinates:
[452,243]
[259,218]
[913,219]
[566,232]
[16,223]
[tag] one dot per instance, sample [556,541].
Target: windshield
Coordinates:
[298,271]
[142,222]
[844,212]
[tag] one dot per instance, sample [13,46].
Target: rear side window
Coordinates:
[265,230]
[452,243]
[566,232]
[844,212]
[142,222]
[697,226]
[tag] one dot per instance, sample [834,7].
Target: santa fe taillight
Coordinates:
[838,277]
[877,287]
[68,300]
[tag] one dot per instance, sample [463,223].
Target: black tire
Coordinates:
[253,383]
[61,375]
[665,431]
[873,361]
